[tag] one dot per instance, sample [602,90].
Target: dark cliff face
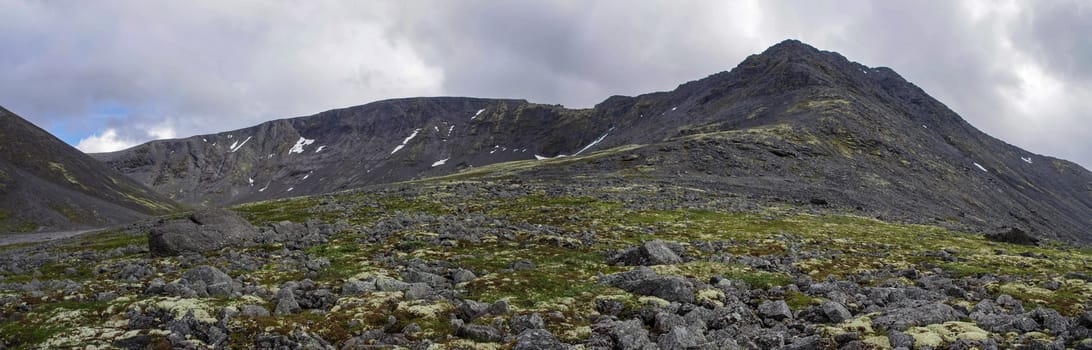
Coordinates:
[46,184]
[793,123]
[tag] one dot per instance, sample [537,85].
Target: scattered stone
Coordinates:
[628,334]
[537,339]
[900,340]
[520,323]
[286,300]
[609,307]
[480,333]
[805,343]
[354,287]
[835,312]
[384,284]
[1013,235]
[680,338]
[777,310]
[654,252]
[214,281]
[903,318]
[644,281]
[462,276]
[250,310]
[520,265]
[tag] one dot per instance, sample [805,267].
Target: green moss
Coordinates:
[105,240]
[798,301]
[705,270]
[59,168]
[23,335]
[1070,299]
[70,213]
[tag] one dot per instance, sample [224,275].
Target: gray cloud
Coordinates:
[1018,70]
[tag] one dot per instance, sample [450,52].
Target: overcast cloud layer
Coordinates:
[116,73]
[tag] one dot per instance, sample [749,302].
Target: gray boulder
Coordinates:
[654,252]
[354,287]
[537,339]
[681,338]
[926,314]
[805,343]
[835,312]
[286,300]
[203,231]
[520,323]
[775,309]
[1052,321]
[900,340]
[462,275]
[433,280]
[644,281]
[1003,323]
[630,334]
[215,282]
[480,333]
[253,311]
[384,284]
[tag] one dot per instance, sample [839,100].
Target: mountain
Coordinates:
[46,184]
[792,124]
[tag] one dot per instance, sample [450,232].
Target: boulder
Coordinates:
[250,310]
[215,282]
[1013,235]
[835,312]
[775,309]
[354,287]
[900,340]
[537,339]
[286,300]
[203,231]
[481,333]
[644,281]
[926,314]
[680,338]
[520,323]
[654,252]
[630,334]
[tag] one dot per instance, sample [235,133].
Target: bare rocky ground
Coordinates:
[587,264]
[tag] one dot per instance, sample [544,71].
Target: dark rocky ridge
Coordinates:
[46,184]
[792,123]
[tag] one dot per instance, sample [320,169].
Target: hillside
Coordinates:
[46,184]
[792,124]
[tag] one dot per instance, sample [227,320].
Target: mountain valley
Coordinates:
[798,201]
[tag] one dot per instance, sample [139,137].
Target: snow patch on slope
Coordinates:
[596,142]
[1026,160]
[440,162]
[981,167]
[407,140]
[478,113]
[236,148]
[298,148]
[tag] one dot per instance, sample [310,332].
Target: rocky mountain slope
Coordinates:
[791,124]
[46,184]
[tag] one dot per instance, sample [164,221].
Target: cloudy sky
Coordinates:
[112,74]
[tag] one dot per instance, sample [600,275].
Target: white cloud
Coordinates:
[108,141]
[162,132]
